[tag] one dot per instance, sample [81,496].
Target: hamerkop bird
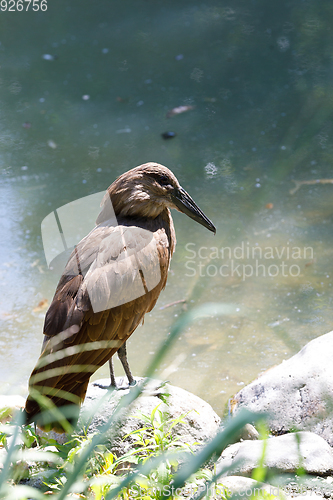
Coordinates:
[111,280]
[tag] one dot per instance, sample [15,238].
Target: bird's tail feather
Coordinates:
[60,386]
[52,408]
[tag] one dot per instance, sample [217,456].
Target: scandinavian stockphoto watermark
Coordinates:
[246,261]
[118,263]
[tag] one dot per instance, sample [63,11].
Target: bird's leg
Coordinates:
[112,377]
[113,383]
[122,355]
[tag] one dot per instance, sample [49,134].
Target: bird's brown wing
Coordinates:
[123,272]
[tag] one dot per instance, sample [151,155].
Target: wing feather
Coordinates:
[105,291]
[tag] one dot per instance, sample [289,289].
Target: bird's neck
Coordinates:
[137,210]
[125,204]
[136,205]
[163,222]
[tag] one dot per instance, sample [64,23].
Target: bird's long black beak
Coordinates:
[183,201]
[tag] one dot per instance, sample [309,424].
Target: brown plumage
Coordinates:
[97,298]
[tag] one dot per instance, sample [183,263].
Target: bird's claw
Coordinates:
[124,387]
[102,386]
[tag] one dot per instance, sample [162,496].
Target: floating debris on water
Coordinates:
[211,169]
[126,130]
[86,97]
[49,57]
[43,304]
[26,125]
[121,99]
[178,110]
[168,135]
[52,144]
[278,322]
[308,183]
[269,206]
[181,301]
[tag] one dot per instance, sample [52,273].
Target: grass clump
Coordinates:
[158,465]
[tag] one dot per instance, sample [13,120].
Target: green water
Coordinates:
[258,75]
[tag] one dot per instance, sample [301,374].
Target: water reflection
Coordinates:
[258,80]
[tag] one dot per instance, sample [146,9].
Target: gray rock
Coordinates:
[45,436]
[244,487]
[37,480]
[283,454]
[201,422]
[248,432]
[312,487]
[297,394]
[309,495]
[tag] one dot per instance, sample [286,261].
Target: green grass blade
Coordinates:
[216,446]
[11,451]
[144,470]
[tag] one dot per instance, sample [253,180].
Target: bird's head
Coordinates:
[147,190]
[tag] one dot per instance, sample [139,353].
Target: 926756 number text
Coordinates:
[20,5]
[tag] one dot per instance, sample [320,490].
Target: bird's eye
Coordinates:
[164,180]
[161,179]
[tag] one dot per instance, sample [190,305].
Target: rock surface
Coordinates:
[283,454]
[248,432]
[201,422]
[244,488]
[247,488]
[297,393]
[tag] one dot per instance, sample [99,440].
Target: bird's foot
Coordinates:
[121,384]
[125,384]
[102,386]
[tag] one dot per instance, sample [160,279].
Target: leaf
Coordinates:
[216,446]
[152,416]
